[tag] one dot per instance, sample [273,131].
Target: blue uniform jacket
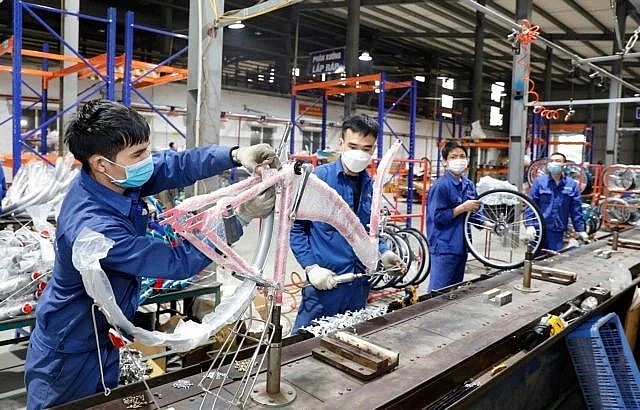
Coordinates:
[557,202]
[445,233]
[64,320]
[320,243]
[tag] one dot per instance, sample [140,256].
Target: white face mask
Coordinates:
[457,165]
[355,160]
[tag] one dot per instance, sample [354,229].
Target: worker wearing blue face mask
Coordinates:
[321,250]
[69,354]
[450,199]
[558,198]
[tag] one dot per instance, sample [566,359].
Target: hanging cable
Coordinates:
[527,35]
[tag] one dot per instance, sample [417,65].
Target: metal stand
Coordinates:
[526,277]
[616,233]
[274,392]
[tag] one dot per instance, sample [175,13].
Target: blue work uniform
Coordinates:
[557,202]
[318,243]
[445,233]
[62,359]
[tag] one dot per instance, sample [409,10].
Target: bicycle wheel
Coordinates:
[383,281]
[536,169]
[615,209]
[503,246]
[419,267]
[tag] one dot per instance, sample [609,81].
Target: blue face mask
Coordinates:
[554,168]
[136,174]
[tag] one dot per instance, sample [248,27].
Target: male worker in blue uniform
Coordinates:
[320,249]
[558,197]
[450,199]
[67,359]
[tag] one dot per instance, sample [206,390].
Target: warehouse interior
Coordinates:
[476,247]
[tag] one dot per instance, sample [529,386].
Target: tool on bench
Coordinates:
[356,356]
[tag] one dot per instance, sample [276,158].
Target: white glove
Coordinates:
[392,264]
[321,278]
[583,236]
[530,233]
[258,207]
[252,156]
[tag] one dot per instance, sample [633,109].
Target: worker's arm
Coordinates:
[444,212]
[300,243]
[145,256]
[179,169]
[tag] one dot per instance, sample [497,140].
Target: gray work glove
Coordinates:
[321,278]
[252,156]
[392,264]
[258,207]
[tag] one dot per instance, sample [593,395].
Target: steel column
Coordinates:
[412,147]
[325,104]
[519,93]
[351,53]
[128,57]
[111,53]
[69,83]
[381,97]
[44,100]
[615,91]
[476,96]
[292,135]
[16,84]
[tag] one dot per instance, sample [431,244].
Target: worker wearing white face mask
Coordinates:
[321,250]
[450,198]
[558,197]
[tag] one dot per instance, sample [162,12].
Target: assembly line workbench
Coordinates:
[444,343]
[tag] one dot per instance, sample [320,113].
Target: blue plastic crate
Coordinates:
[606,370]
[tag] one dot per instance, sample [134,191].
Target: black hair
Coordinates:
[104,128]
[564,157]
[450,146]
[171,144]
[361,124]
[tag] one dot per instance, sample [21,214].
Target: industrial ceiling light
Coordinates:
[365,56]
[238,24]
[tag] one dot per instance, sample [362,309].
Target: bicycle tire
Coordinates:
[506,210]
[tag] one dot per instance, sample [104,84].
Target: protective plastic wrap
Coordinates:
[331,209]
[383,167]
[91,246]
[38,183]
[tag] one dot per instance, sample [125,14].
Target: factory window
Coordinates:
[261,134]
[497,103]
[447,99]
[311,141]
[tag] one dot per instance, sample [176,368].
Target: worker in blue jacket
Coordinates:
[67,359]
[321,250]
[558,198]
[451,197]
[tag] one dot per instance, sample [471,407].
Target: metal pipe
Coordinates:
[511,24]
[526,277]
[274,354]
[620,100]
[608,58]
[628,129]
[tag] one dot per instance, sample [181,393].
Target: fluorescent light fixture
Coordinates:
[365,56]
[238,24]
[420,78]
